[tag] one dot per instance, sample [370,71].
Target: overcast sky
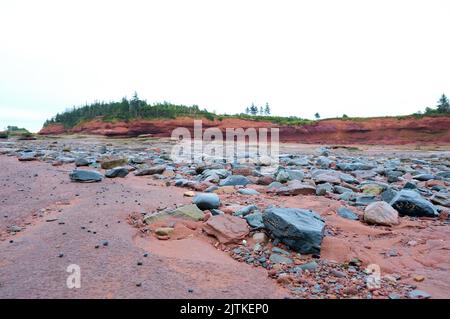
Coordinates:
[361,58]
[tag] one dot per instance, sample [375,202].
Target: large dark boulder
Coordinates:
[410,203]
[300,229]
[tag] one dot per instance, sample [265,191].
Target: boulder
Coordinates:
[326,176]
[410,203]
[206,201]
[85,176]
[226,228]
[81,161]
[112,163]
[295,187]
[158,169]
[381,213]
[234,180]
[116,172]
[300,229]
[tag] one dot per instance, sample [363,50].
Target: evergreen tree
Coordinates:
[253,109]
[317,116]
[261,111]
[443,105]
[267,109]
[247,110]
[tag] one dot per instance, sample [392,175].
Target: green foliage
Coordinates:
[126,110]
[317,116]
[4,134]
[443,107]
[281,120]
[15,131]
[267,109]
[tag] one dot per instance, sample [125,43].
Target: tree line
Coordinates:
[255,110]
[125,110]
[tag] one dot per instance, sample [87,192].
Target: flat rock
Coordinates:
[226,228]
[296,187]
[346,213]
[85,176]
[234,180]
[158,169]
[116,172]
[112,163]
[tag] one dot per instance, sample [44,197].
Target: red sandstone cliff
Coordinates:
[361,131]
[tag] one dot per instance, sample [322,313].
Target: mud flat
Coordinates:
[314,227]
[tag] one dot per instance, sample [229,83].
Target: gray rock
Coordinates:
[248,191]
[245,210]
[280,259]
[423,177]
[206,201]
[116,172]
[85,176]
[365,200]
[388,195]
[410,185]
[419,294]
[311,266]
[324,188]
[234,180]
[255,220]
[300,229]
[296,187]
[27,156]
[410,203]
[340,189]
[82,162]
[283,176]
[326,176]
[347,213]
[357,166]
[274,185]
[159,169]
[443,174]
[441,198]
[381,213]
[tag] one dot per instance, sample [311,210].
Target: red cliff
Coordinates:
[384,130]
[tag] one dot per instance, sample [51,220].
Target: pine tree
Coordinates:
[247,110]
[317,116]
[253,109]
[261,111]
[267,109]
[444,105]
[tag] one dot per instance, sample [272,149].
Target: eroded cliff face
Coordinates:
[366,131]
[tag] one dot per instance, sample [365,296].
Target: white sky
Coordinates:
[361,58]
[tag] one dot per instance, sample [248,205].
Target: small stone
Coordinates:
[419,278]
[419,294]
[189,194]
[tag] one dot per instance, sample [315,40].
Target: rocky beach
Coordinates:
[328,221]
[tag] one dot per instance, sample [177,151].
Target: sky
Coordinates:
[354,57]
